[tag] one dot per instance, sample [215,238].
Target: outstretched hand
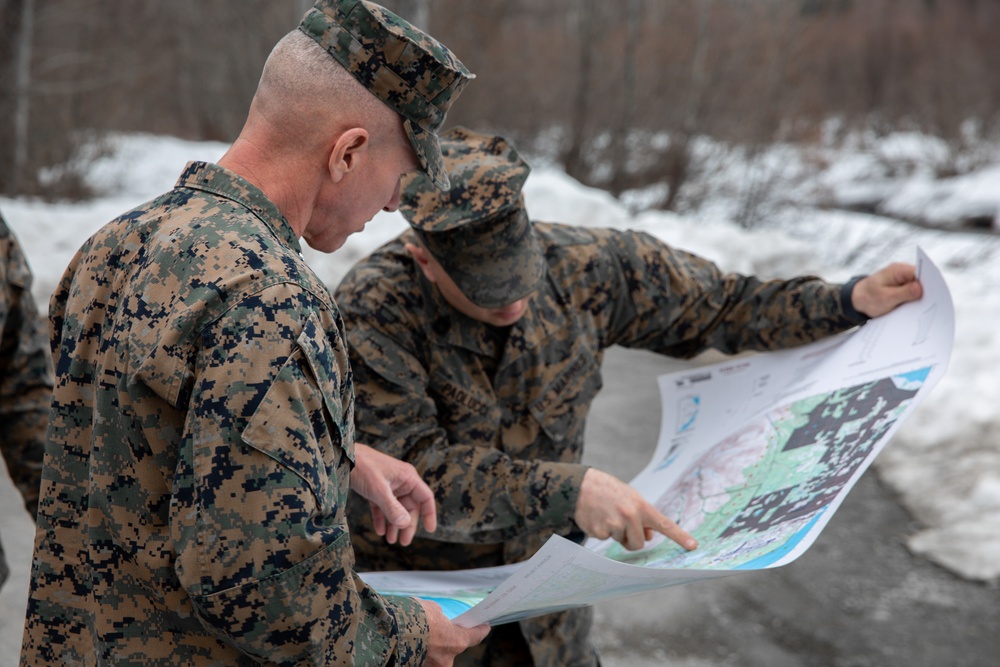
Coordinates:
[399,498]
[608,507]
[886,289]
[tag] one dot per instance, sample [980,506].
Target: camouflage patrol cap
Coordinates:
[478,230]
[413,73]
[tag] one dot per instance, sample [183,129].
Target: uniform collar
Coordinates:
[542,320]
[224,183]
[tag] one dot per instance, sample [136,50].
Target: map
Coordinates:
[759,490]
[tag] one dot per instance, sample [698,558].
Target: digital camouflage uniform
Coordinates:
[25,376]
[200,450]
[493,419]
[193,497]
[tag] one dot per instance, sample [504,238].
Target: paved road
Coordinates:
[857,598]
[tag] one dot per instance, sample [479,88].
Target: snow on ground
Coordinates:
[945,461]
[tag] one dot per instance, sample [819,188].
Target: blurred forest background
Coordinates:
[616,91]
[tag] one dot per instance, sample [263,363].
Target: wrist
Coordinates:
[847,300]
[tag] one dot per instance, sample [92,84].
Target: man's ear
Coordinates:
[348,150]
[423,260]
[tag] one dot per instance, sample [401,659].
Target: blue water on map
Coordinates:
[772,557]
[451,608]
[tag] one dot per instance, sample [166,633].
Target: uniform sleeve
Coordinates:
[25,373]
[483,495]
[260,493]
[676,303]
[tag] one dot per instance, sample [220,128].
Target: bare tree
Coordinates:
[676,161]
[594,74]
[573,158]
[23,94]
[15,54]
[629,100]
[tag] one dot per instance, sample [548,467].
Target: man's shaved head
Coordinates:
[304,95]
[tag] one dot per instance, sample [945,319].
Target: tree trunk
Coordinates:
[22,86]
[620,151]
[678,156]
[574,158]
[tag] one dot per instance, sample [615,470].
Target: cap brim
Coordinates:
[428,150]
[492,268]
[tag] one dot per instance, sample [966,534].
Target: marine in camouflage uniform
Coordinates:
[494,417]
[201,442]
[25,376]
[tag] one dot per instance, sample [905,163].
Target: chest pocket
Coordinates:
[464,409]
[302,424]
[562,406]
